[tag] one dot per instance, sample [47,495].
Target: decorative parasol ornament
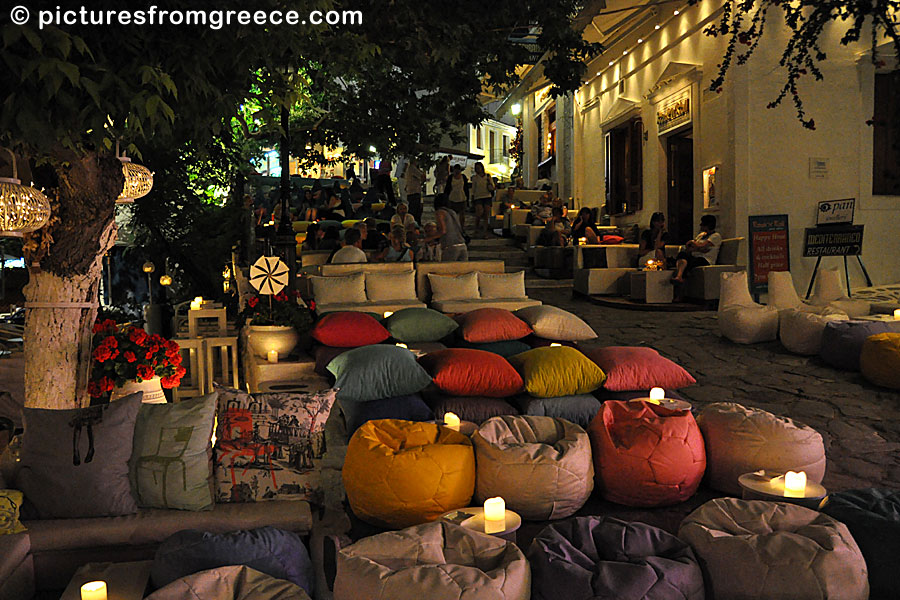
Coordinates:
[269,275]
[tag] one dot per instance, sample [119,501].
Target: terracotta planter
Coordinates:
[280,338]
[152,388]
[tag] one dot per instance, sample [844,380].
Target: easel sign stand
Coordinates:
[835,235]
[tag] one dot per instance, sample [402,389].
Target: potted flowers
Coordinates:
[276,322]
[128,359]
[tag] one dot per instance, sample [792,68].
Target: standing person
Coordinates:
[415,179]
[441,174]
[482,196]
[701,251]
[457,192]
[383,182]
[449,232]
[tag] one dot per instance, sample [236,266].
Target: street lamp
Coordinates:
[516,109]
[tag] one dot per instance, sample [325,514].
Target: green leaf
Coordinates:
[70,71]
[32,38]
[11,34]
[153,105]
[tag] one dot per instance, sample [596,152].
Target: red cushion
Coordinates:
[638,368]
[491,325]
[645,454]
[349,330]
[467,372]
[612,239]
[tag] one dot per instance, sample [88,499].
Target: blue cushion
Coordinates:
[272,551]
[842,341]
[377,372]
[579,409]
[408,408]
[504,349]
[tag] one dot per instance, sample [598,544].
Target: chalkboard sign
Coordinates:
[833,240]
[769,250]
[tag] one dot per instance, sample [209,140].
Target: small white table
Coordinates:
[768,485]
[472,518]
[652,287]
[124,581]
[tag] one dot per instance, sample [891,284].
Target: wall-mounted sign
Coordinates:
[818,168]
[710,183]
[833,240]
[835,212]
[674,111]
[769,249]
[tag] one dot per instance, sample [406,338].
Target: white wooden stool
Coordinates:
[225,371]
[193,383]
[196,328]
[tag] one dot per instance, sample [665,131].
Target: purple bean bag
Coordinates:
[842,341]
[605,558]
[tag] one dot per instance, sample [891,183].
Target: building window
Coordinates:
[505,146]
[478,143]
[886,135]
[492,147]
[623,155]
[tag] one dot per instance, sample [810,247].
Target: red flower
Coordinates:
[312,305]
[138,336]
[169,382]
[180,371]
[148,355]
[281,296]
[111,342]
[252,302]
[106,384]
[129,356]
[104,326]
[101,354]
[93,387]
[175,360]
[145,372]
[171,346]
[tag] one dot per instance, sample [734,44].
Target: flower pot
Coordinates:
[281,338]
[152,388]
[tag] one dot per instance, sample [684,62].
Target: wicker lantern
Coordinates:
[23,209]
[138,181]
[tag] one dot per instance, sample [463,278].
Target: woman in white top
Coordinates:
[403,219]
[482,194]
[457,191]
[701,251]
[415,179]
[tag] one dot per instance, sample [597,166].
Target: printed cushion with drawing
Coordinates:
[169,465]
[10,501]
[267,445]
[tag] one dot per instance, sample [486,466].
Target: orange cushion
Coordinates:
[349,330]
[468,372]
[491,325]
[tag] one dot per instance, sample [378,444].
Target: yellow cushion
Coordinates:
[400,473]
[378,206]
[300,226]
[557,371]
[879,360]
[349,223]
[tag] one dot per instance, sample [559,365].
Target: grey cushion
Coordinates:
[469,408]
[75,462]
[578,409]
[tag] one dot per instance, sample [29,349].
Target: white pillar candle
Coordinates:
[402,345]
[93,590]
[272,355]
[657,393]
[451,420]
[494,515]
[897,314]
[388,313]
[554,345]
[794,484]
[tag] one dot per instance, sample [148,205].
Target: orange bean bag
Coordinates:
[645,454]
[400,473]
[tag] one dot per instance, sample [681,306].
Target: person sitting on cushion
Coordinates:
[701,251]
[653,241]
[584,227]
[351,252]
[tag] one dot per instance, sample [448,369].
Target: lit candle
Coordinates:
[794,484]
[657,393]
[451,420]
[582,241]
[196,303]
[272,355]
[93,590]
[897,314]
[494,515]
[554,345]
[402,345]
[388,313]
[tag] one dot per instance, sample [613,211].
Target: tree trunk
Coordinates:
[70,256]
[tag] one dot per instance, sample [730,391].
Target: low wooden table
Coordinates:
[472,517]
[652,287]
[124,581]
[763,485]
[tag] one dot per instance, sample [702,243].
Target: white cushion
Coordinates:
[801,331]
[381,287]
[748,324]
[554,323]
[782,294]
[502,285]
[454,287]
[827,287]
[344,289]
[734,291]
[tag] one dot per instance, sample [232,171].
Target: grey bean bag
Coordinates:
[540,466]
[842,341]
[873,517]
[230,583]
[741,440]
[434,561]
[605,558]
[752,549]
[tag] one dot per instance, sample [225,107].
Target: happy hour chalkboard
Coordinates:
[769,249]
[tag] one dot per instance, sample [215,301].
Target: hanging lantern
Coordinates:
[23,209]
[138,181]
[165,280]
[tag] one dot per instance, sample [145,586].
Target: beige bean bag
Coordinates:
[742,440]
[752,549]
[740,319]
[828,292]
[230,583]
[541,466]
[801,331]
[434,561]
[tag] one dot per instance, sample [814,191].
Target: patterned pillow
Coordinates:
[10,501]
[268,444]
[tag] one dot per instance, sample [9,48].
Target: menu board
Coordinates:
[769,249]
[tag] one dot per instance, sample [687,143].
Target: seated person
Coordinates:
[541,209]
[556,230]
[374,239]
[413,240]
[314,236]
[403,219]
[351,250]
[429,251]
[701,251]
[332,207]
[397,251]
[653,241]
[584,227]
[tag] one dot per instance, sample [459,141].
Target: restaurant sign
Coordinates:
[833,240]
[674,111]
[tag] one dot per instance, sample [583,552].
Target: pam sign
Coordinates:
[833,240]
[835,212]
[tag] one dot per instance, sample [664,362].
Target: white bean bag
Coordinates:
[742,320]
[541,466]
[742,439]
[828,292]
[752,549]
[801,331]
[434,561]
[229,583]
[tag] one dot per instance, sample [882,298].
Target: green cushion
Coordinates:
[554,371]
[420,325]
[169,466]
[377,372]
[504,349]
